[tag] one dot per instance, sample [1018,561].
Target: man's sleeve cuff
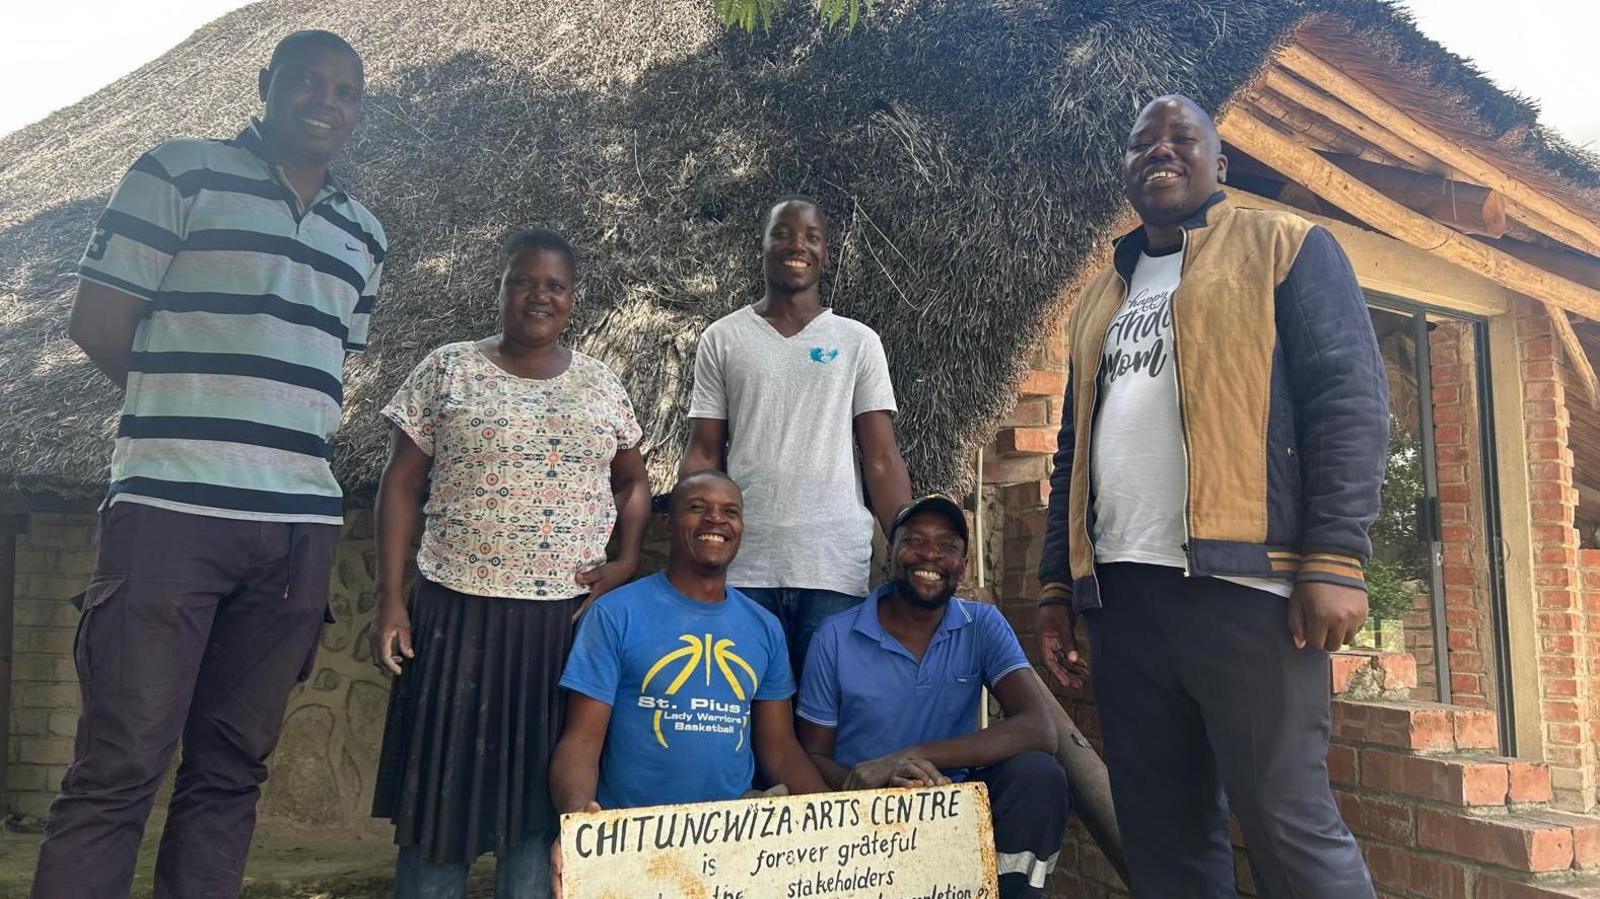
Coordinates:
[117,284]
[818,720]
[1332,568]
[1010,671]
[1055,594]
[591,692]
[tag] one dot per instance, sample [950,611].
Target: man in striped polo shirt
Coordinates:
[225,283]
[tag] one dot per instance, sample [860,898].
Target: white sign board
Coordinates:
[932,843]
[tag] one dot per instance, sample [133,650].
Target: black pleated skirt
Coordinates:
[472,723]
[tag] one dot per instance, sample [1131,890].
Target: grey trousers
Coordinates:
[1206,706]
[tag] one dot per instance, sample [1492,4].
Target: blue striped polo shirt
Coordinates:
[236,379]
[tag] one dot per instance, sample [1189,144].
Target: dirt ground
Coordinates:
[287,861]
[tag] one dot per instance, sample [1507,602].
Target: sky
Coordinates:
[56,52]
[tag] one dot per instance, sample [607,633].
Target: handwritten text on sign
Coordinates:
[935,843]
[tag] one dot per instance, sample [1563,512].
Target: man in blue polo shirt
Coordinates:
[222,288]
[890,693]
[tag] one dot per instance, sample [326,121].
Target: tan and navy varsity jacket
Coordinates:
[1282,401]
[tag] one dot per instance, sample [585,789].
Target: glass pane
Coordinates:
[1402,577]
[1400,574]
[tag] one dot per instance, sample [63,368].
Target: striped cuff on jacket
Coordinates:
[1332,568]
[1055,594]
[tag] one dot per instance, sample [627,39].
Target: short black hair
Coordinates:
[538,239]
[786,199]
[301,42]
[713,473]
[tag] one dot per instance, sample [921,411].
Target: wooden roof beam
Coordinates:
[1550,229]
[1303,63]
[1574,267]
[1297,91]
[1366,203]
[1317,134]
[1462,206]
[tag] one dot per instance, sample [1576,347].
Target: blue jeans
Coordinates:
[801,611]
[520,873]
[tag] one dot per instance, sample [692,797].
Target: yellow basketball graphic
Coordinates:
[699,653]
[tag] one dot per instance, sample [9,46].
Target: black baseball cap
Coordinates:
[933,502]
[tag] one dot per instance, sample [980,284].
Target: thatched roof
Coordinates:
[967,150]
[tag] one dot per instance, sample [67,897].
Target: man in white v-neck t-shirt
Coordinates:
[1140,474]
[792,390]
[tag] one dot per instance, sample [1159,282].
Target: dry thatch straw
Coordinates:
[967,150]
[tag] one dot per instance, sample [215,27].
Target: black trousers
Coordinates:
[193,628]
[1202,696]
[1029,798]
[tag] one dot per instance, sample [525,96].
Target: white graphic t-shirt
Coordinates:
[1137,455]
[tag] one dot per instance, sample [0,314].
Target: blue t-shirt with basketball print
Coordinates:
[681,678]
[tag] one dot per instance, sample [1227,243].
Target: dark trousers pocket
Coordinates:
[97,646]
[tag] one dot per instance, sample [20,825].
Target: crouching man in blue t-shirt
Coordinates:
[890,694]
[678,684]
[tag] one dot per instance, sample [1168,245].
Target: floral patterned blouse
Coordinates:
[521,477]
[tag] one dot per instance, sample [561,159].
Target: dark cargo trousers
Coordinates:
[193,628]
[1202,696]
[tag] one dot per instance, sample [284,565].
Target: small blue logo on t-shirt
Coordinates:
[822,356]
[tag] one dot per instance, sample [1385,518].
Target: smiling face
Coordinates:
[1173,161]
[536,297]
[707,521]
[313,102]
[928,559]
[795,247]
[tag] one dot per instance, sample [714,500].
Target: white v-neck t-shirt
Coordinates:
[790,404]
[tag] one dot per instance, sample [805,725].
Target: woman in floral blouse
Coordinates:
[529,453]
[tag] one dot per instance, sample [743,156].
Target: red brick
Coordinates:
[1375,818]
[1017,441]
[1559,711]
[1539,348]
[1561,687]
[1510,841]
[1530,781]
[1346,665]
[1458,781]
[1493,887]
[1540,390]
[1026,496]
[1585,833]
[998,469]
[1544,369]
[1344,766]
[1043,383]
[1402,725]
[1031,412]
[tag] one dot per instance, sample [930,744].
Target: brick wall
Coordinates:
[1566,696]
[1465,569]
[54,559]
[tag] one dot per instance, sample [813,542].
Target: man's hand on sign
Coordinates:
[555,856]
[900,769]
[1325,616]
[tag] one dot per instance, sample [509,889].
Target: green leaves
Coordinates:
[747,14]
[850,11]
